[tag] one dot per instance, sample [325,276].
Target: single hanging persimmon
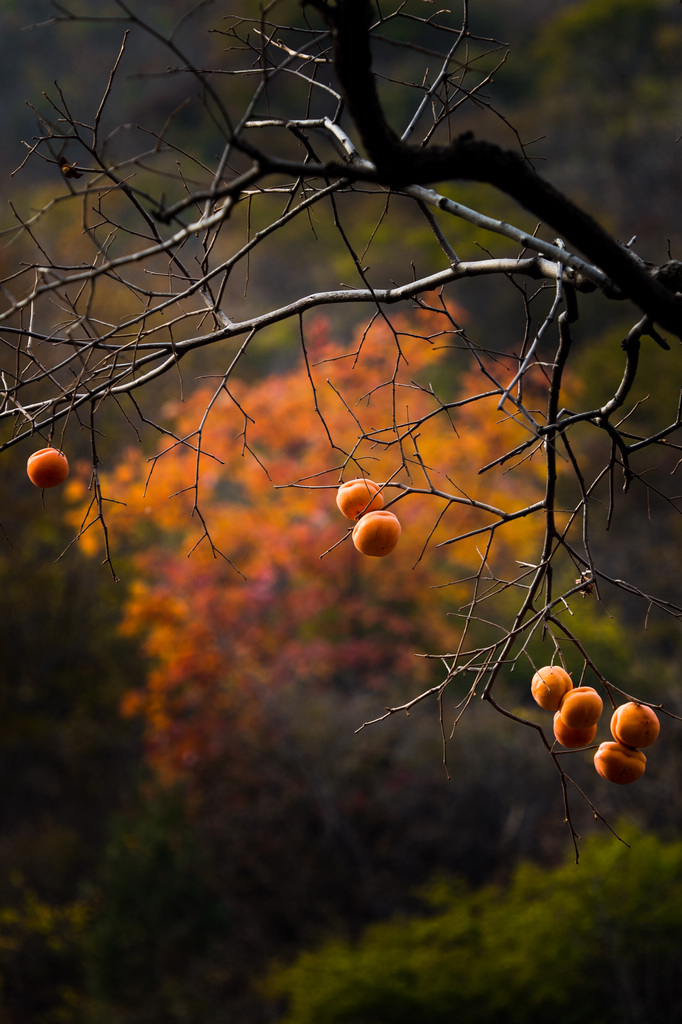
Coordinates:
[581,707]
[618,763]
[357,497]
[635,725]
[47,468]
[377,533]
[549,685]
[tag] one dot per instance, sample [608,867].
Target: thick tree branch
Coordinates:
[468,158]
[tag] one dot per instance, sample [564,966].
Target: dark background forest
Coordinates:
[138,887]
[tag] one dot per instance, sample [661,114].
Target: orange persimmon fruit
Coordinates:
[572,739]
[377,533]
[581,707]
[549,685]
[618,763]
[634,725]
[357,497]
[47,468]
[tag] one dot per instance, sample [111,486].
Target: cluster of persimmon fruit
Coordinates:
[377,530]
[47,468]
[577,710]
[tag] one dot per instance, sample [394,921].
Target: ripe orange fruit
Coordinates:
[618,763]
[635,725]
[572,738]
[548,686]
[357,497]
[47,467]
[376,533]
[581,707]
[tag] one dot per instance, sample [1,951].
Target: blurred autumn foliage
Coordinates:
[273,600]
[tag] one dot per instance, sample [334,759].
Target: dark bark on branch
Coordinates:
[468,158]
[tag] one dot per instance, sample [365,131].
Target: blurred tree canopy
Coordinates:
[568,944]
